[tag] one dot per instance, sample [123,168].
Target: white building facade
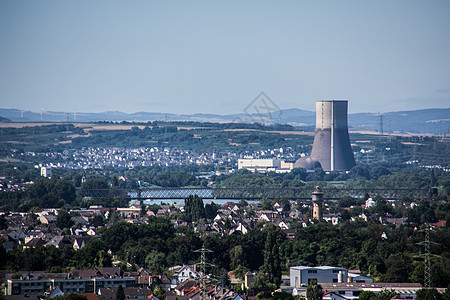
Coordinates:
[303,275]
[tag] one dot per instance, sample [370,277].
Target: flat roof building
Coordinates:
[264,165]
[303,275]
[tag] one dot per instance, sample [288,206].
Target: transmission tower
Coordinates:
[427,263]
[202,266]
[381,125]
[427,280]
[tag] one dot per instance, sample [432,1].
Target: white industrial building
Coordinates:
[265,165]
[303,275]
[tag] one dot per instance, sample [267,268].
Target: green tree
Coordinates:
[367,295]
[269,276]
[94,183]
[428,294]
[155,262]
[237,257]
[3,223]
[120,295]
[98,221]
[283,296]
[64,219]
[314,291]
[194,208]
[159,293]
[224,279]
[211,210]
[240,271]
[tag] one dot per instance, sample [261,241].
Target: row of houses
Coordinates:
[185,284]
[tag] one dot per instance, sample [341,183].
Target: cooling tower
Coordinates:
[331,142]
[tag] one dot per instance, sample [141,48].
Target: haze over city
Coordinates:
[216,57]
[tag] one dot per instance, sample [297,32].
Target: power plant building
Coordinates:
[264,165]
[331,148]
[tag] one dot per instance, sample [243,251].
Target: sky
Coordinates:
[210,56]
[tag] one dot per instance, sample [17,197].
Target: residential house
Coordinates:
[290,233]
[47,219]
[241,227]
[80,220]
[17,235]
[282,224]
[109,293]
[33,243]
[142,277]
[80,242]
[333,219]
[164,281]
[295,214]
[185,272]
[129,212]
[33,234]
[59,241]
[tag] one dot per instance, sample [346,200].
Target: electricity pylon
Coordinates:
[202,265]
[427,278]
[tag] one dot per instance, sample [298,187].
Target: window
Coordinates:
[356,293]
[336,271]
[335,280]
[341,292]
[312,271]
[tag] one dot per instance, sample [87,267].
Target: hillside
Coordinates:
[433,121]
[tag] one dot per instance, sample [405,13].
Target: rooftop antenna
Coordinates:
[42,113]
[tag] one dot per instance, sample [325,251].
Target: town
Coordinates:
[194,224]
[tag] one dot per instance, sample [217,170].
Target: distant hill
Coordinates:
[4,120]
[434,121]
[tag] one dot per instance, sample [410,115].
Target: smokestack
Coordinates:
[331,141]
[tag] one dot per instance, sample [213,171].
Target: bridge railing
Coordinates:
[250,193]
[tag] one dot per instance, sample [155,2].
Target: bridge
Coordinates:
[256,193]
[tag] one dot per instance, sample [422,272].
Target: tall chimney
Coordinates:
[331,145]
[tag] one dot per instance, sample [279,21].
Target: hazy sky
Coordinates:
[217,56]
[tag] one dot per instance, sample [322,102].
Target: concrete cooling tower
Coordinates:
[331,146]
